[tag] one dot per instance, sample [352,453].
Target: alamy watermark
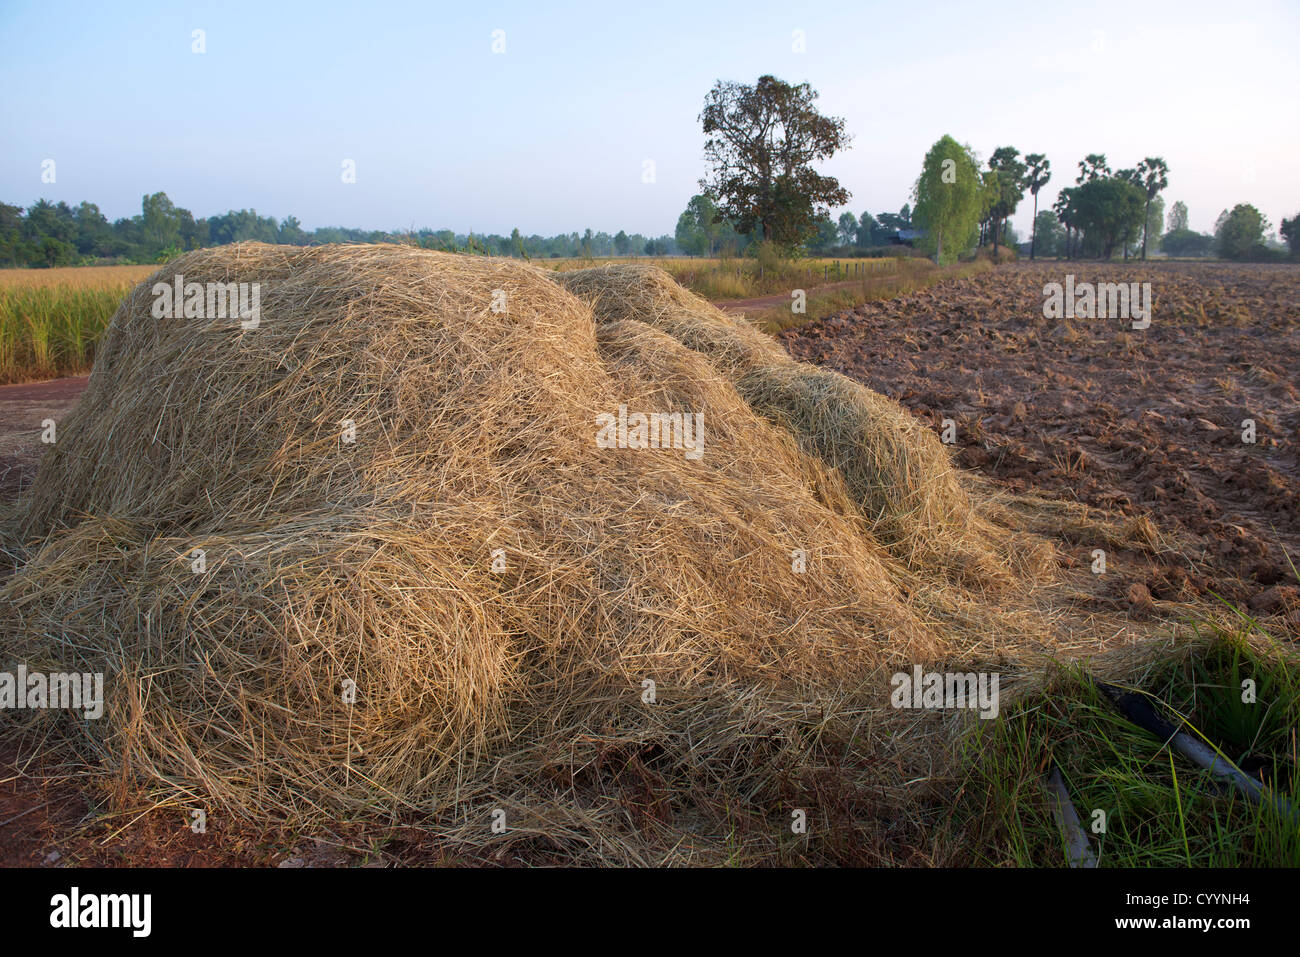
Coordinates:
[208,300]
[941,690]
[652,430]
[1103,300]
[76,909]
[21,690]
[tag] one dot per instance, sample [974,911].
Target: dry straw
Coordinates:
[896,470]
[521,683]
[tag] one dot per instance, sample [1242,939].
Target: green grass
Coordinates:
[48,331]
[1161,810]
[906,276]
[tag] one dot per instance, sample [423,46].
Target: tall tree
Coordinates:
[949,199]
[1036,177]
[762,142]
[160,224]
[1010,173]
[1064,210]
[1178,216]
[848,229]
[1093,166]
[1133,178]
[1154,174]
[1155,223]
[698,226]
[868,230]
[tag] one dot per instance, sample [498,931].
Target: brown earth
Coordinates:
[1134,421]
[23,408]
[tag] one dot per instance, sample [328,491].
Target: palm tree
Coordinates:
[1064,209]
[1154,173]
[1040,171]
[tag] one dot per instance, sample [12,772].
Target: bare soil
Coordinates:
[23,408]
[1135,421]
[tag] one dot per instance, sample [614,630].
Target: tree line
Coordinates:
[56,234]
[762,141]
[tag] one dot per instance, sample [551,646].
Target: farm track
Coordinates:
[759,303]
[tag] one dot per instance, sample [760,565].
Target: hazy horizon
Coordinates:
[552,135]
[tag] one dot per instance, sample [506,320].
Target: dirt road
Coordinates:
[760,303]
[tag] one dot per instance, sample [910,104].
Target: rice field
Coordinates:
[51,319]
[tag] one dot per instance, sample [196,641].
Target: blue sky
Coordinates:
[552,134]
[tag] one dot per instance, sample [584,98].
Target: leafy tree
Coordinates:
[868,228]
[1009,173]
[1186,242]
[690,237]
[949,199]
[827,235]
[517,244]
[12,247]
[1290,230]
[1108,211]
[55,252]
[291,232]
[1130,231]
[1065,211]
[699,226]
[1036,177]
[194,232]
[1178,216]
[662,246]
[848,229]
[1238,232]
[892,223]
[762,142]
[50,220]
[239,225]
[621,243]
[94,235]
[1155,224]
[160,224]
[1048,235]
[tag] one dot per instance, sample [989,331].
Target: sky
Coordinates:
[552,131]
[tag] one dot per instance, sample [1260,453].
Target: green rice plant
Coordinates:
[48,331]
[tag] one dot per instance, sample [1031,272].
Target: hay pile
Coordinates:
[895,468]
[496,588]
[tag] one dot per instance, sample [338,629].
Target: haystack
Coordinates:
[368,558]
[896,469]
